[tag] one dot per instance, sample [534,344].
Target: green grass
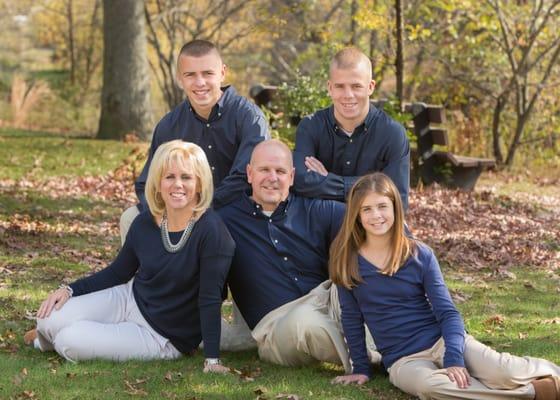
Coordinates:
[42,155]
[509,314]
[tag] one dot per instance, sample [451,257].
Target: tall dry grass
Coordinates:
[24,97]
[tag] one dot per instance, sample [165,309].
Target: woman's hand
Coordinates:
[460,376]
[359,379]
[55,300]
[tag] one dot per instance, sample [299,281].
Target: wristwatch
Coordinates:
[68,289]
[212,361]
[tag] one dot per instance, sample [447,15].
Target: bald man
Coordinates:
[337,145]
[279,272]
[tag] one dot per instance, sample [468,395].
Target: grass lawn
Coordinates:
[56,225]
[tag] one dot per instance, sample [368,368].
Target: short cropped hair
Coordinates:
[349,57]
[198,48]
[178,152]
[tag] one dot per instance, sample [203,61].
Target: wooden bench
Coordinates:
[263,95]
[433,165]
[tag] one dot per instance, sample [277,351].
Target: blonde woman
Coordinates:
[394,284]
[162,295]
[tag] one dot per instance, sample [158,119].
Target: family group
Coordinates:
[313,246]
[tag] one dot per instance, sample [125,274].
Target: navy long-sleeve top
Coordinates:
[406,313]
[235,126]
[282,257]
[179,294]
[379,144]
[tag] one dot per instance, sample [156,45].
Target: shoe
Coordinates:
[547,388]
[30,337]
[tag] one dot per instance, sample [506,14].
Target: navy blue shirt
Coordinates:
[378,145]
[235,126]
[179,294]
[282,257]
[406,313]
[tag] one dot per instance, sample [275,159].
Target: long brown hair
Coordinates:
[343,260]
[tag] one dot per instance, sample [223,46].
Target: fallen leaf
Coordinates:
[495,320]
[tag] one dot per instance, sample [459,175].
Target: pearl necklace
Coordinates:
[170,247]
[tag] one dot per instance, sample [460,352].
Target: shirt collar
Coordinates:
[219,108]
[255,209]
[363,127]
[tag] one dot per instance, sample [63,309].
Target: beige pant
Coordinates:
[494,375]
[126,220]
[106,324]
[307,330]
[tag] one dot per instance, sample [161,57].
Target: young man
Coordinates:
[337,145]
[279,272]
[226,125]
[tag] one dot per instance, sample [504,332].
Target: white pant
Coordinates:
[106,324]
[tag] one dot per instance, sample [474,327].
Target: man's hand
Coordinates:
[460,376]
[358,379]
[55,300]
[315,165]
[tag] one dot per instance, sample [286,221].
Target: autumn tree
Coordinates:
[72,28]
[125,98]
[507,58]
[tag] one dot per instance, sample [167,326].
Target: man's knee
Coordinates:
[307,320]
[126,220]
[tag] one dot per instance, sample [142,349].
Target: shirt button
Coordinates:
[270,220]
[213,168]
[209,146]
[295,279]
[254,213]
[219,114]
[208,125]
[275,241]
[285,258]
[350,140]
[347,162]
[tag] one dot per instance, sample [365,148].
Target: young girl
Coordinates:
[394,284]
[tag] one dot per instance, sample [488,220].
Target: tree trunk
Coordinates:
[353,23]
[71,42]
[399,62]
[500,104]
[125,98]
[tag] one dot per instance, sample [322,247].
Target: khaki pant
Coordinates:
[307,330]
[494,375]
[106,324]
[127,217]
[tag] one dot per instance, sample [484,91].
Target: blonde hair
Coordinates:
[343,260]
[178,152]
[350,57]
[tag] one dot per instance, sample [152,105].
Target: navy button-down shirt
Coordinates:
[379,144]
[235,126]
[282,257]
